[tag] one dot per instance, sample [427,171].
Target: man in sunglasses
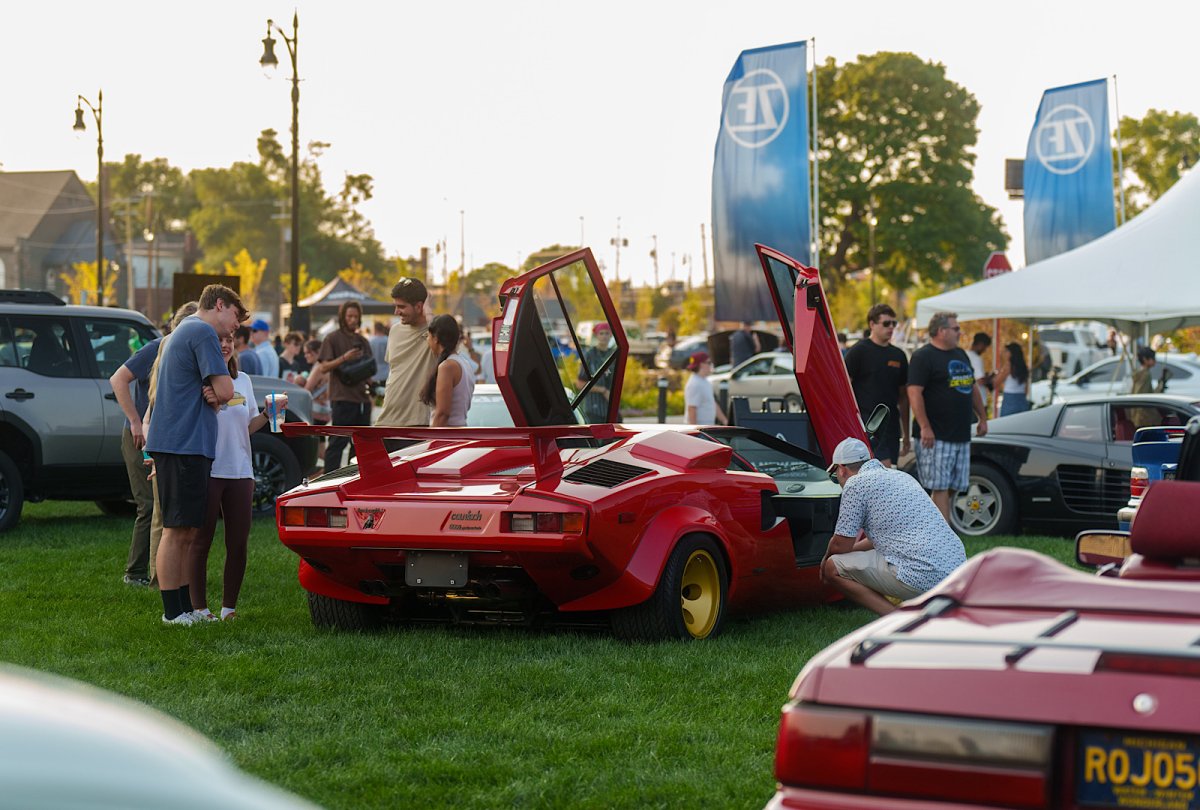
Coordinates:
[878,372]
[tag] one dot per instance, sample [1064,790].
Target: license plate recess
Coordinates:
[1133,769]
[435,569]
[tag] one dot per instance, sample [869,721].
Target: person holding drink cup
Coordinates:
[231,487]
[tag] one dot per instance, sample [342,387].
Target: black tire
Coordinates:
[276,470]
[337,614]
[693,580]
[117,508]
[12,493]
[988,507]
[792,403]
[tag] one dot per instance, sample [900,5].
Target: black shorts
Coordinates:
[886,442]
[182,489]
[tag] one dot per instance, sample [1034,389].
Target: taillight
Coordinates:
[316,516]
[1139,479]
[1142,664]
[543,522]
[914,756]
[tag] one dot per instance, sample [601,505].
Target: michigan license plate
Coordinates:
[1127,769]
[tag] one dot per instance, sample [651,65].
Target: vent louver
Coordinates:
[606,473]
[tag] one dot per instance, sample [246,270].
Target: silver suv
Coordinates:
[60,427]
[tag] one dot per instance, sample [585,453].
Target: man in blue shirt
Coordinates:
[136,371]
[247,357]
[260,337]
[182,437]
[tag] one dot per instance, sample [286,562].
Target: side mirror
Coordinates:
[1097,548]
[878,416]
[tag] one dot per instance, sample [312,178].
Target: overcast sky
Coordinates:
[530,115]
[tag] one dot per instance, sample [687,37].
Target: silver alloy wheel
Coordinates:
[976,511]
[270,480]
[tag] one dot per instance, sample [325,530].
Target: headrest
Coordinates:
[1161,528]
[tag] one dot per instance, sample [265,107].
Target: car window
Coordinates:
[1177,372]
[1109,372]
[1082,423]
[8,350]
[1056,336]
[1127,419]
[755,368]
[770,457]
[44,345]
[783,364]
[113,342]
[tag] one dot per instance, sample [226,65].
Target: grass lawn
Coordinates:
[423,716]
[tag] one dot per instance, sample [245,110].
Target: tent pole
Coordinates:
[1120,157]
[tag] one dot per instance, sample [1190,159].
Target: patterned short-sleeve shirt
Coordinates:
[902,522]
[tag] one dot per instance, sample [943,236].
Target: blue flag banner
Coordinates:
[1068,171]
[760,176]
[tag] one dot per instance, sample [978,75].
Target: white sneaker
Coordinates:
[181,619]
[204,616]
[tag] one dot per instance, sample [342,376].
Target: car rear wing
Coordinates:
[373,457]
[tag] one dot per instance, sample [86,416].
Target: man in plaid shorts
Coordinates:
[943,396]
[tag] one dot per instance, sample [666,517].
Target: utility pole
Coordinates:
[654,255]
[618,243]
[704,252]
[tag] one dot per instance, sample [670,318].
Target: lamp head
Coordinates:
[268,58]
[80,126]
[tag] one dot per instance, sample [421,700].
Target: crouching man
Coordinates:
[908,547]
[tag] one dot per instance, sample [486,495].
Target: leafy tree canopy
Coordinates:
[895,141]
[1155,152]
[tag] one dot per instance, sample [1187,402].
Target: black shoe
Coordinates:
[137,582]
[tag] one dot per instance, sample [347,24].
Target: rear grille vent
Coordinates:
[606,473]
[1093,491]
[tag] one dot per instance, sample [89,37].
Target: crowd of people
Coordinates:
[190,409]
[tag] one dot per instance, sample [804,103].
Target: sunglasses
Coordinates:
[887,323]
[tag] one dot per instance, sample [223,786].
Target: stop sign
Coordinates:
[996,264]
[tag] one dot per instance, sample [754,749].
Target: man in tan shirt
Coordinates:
[408,357]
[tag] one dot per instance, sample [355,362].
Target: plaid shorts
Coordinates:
[946,466]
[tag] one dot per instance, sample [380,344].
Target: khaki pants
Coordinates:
[137,564]
[156,528]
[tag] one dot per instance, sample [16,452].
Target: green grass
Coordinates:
[480,717]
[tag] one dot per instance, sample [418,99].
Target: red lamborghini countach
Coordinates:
[659,530]
[1017,682]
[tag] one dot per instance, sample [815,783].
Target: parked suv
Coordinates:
[60,426]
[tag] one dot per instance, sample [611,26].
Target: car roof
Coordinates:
[75,311]
[1165,399]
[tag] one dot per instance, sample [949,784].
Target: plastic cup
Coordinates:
[274,418]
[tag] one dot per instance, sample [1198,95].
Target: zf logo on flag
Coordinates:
[760,190]
[1068,171]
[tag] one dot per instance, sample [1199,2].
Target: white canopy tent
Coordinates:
[1145,275]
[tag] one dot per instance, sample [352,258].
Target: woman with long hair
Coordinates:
[1013,381]
[450,386]
[230,493]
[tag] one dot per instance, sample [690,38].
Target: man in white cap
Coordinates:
[890,540]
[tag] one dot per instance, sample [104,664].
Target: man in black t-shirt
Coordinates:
[879,372]
[943,395]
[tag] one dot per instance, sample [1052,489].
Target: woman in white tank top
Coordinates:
[450,386]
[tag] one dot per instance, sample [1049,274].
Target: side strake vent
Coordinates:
[606,473]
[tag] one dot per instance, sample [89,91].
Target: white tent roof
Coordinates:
[1146,272]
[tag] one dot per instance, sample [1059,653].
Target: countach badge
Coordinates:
[369,518]
[467,520]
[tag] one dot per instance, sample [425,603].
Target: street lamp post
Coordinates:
[268,60]
[80,126]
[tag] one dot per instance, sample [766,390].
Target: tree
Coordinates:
[1155,152]
[895,140]
[363,279]
[81,284]
[250,272]
[695,312]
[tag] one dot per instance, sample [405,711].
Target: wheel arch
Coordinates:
[654,546]
[314,581]
[22,445]
[1006,477]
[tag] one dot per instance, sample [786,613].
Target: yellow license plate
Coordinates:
[1128,769]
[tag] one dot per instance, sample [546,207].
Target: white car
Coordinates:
[770,374]
[1072,349]
[1113,375]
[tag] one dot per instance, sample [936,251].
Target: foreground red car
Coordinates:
[1018,682]
[659,530]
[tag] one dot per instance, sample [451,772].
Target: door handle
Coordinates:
[19,394]
[111,396]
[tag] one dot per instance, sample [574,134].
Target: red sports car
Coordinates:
[1018,682]
[659,529]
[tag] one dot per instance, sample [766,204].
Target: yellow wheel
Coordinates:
[700,594]
[689,602]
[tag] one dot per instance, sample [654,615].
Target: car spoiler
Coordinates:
[373,458]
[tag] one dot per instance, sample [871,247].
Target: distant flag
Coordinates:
[1068,171]
[760,176]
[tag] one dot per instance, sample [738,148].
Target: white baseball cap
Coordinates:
[850,451]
